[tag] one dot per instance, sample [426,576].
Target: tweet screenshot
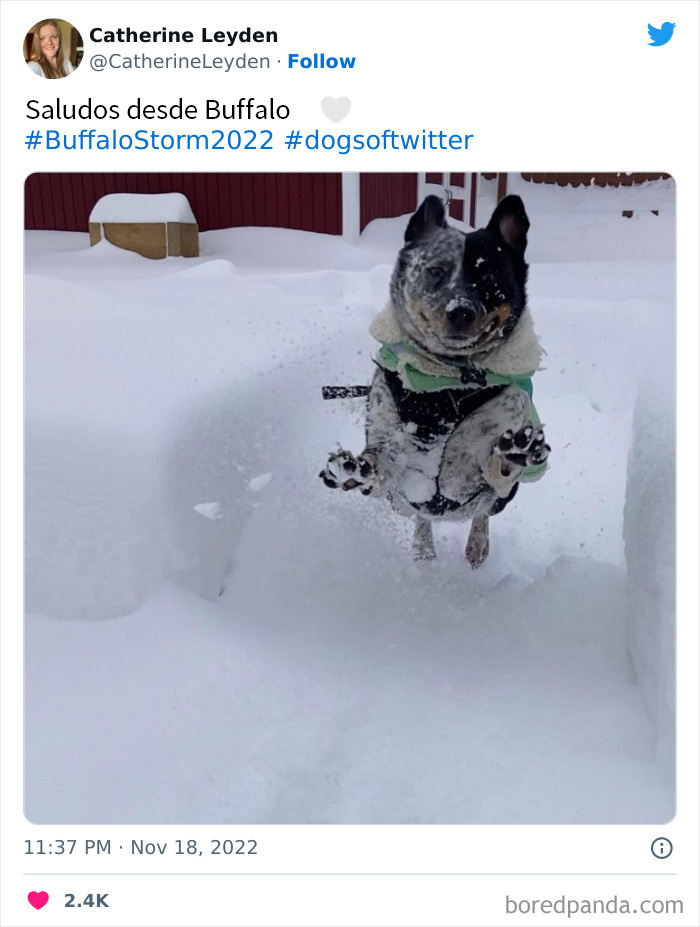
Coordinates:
[349,410]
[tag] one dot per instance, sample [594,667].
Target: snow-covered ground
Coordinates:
[213,636]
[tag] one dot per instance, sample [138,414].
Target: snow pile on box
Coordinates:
[142,207]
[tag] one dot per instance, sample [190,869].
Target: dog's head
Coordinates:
[457,295]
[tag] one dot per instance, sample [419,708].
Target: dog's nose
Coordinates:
[461,317]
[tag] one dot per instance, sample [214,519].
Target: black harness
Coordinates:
[435,415]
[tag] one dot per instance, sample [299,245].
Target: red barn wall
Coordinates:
[383,196]
[310,202]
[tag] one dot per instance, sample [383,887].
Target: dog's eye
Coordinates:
[436,273]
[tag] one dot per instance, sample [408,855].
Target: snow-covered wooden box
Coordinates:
[157,225]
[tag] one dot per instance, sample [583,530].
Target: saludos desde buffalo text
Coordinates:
[224,37]
[245,108]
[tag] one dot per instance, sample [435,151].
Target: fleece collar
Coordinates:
[513,361]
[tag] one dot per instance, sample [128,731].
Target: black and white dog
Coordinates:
[451,430]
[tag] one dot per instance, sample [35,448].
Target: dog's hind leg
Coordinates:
[423,546]
[477,549]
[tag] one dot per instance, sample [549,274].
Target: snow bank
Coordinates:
[180,390]
[337,681]
[650,551]
[142,207]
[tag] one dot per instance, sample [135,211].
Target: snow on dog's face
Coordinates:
[456,295]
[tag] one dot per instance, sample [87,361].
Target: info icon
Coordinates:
[662,848]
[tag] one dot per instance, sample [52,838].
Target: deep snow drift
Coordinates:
[248,646]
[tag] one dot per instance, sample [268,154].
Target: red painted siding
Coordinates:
[311,202]
[456,210]
[386,195]
[599,179]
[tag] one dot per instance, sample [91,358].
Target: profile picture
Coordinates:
[53,48]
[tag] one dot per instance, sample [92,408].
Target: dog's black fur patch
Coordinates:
[435,414]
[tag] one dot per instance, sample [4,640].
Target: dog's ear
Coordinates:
[510,222]
[428,218]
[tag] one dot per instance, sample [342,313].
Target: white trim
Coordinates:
[476,174]
[351,206]
[457,191]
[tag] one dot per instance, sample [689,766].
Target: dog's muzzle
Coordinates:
[460,318]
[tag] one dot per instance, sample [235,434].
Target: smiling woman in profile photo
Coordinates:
[48,58]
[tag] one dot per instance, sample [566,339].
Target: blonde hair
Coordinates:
[38,54]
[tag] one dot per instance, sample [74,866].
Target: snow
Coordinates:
[258,483]
[650,548]
[142,207]
[211,510]
[244,644]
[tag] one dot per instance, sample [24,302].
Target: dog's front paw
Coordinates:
[345,471]
[523,448]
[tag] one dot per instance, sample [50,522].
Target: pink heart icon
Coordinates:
[38,899]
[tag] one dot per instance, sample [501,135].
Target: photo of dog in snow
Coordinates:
[216,635]
[451,429]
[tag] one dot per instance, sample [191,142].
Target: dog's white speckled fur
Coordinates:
[458,301]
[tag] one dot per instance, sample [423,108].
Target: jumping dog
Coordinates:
[451,431]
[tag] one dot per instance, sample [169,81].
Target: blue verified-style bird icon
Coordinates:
[662,35]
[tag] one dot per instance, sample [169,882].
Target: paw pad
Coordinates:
[523,448]
[345,471]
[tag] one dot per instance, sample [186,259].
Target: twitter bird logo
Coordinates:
[662,35]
